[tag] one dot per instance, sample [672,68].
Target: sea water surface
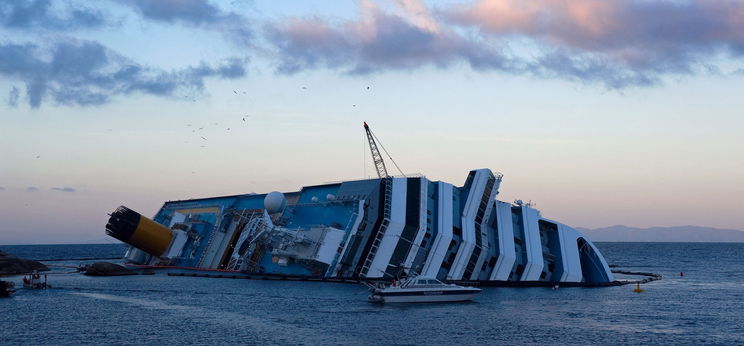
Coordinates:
[705,306]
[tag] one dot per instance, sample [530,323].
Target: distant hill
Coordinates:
[664,234]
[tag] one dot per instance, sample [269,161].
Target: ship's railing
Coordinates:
[383,227]
[407,175]
[248,216]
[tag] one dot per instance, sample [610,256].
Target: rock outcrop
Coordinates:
[11,265]
[6,289]
[106,269]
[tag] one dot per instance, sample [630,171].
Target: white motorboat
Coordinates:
[420,289]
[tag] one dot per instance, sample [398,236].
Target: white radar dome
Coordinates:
[314,199]
[330,197]
[275,202]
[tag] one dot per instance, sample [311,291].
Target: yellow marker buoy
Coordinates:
[638,288]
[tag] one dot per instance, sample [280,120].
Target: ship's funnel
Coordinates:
[136,230]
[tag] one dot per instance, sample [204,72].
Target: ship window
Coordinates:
[451,257]
[520,269]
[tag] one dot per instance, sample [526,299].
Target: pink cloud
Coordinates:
[631,31]
[377,40]
[617,43]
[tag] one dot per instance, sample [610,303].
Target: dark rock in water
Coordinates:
[6,288]
[11,265]
[106,269]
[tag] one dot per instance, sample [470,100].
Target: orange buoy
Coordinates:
[638,288]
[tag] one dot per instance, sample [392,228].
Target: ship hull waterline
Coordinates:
[425,297]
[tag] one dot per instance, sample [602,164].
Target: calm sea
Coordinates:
[705,306]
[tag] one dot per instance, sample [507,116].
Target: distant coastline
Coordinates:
[679,234]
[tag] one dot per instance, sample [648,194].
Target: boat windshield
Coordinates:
[428,282]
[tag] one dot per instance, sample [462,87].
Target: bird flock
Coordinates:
[244,117]
[200,131]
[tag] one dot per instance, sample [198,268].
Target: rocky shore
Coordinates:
[12,265]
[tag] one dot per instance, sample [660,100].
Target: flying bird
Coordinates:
[38,156]
[202,137]
[235,92]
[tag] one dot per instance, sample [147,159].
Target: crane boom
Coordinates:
[376,157]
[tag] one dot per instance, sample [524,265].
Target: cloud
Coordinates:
[13,96]
[618,42]
[32,189]
[86,73]
[32,14]
[188,11]
[63,189]
[200,13]
[615,43]
[377,41]
[588,69]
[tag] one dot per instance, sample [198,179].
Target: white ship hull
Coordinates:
[429,298]
[422,290]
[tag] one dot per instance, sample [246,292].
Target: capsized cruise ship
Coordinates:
[367,229]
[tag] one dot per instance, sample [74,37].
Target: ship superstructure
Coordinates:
[366,229]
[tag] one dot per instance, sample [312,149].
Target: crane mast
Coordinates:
[376,157]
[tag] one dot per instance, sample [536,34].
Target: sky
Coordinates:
[601,112]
